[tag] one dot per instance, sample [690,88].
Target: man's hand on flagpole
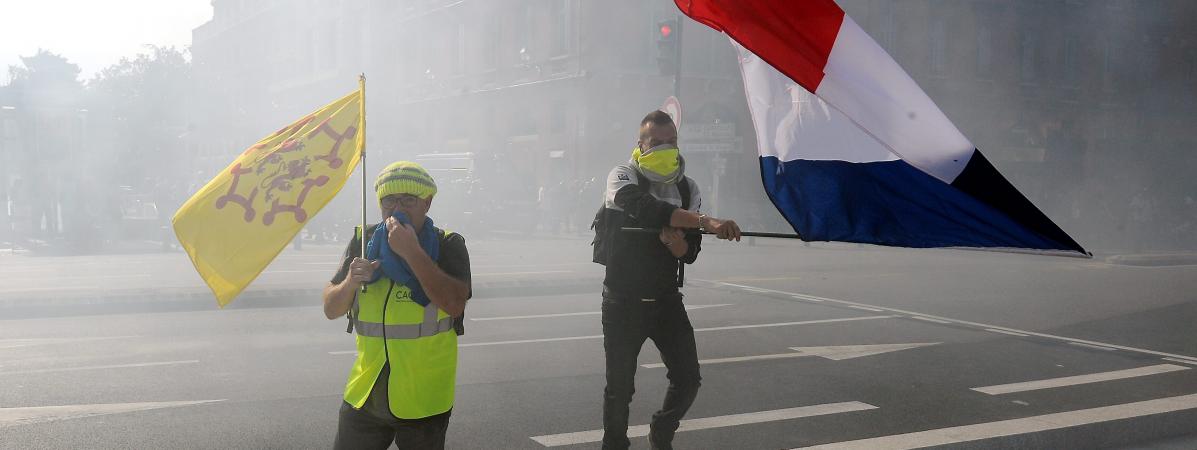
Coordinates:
[402,238]
[723,229]
[361,271]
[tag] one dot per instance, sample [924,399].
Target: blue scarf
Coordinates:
[393,265]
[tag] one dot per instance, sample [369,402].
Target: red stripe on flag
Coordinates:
[794,36]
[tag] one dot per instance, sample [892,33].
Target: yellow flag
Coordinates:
[237,223]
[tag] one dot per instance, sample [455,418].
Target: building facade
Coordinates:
[1080,103]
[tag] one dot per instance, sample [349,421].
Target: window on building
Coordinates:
[522,28]
[938,39]
[457,50]
[984,49]
[557,117]
[1111,66]
[491,39]
[887,32]
[559,21]
[1029,56]
[1072,66]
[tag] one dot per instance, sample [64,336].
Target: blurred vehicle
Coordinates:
[139,215]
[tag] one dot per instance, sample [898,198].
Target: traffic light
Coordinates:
[667,43]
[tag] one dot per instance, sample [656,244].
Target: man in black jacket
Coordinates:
[640,291]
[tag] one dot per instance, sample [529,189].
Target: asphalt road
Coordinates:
[838,345]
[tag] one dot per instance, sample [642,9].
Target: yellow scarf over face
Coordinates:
[661,160]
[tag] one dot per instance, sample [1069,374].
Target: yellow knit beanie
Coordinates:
[405,177]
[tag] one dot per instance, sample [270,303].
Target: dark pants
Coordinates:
[626,324]
[362,429]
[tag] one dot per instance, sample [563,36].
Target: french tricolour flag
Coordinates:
[868,157]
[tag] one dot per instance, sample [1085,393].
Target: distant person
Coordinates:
[640,290]
[418,280]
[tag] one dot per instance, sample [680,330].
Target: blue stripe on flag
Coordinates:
[887,203]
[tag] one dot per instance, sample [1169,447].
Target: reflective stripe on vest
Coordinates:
[431,326]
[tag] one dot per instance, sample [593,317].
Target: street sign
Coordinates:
[673,107]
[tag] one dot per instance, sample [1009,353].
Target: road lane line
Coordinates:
[1078,379]
[583,437]
[599,336]
[705,362]
[26,342]
[1092,346]
[786,324]
[866,308]
[529,341]
[994,330]
[586,313]
[1185,361]
[928,319]
[116,366]
[962,322]
[696,330]
[834,353]
[1013,427]
[499,274]
[36,414]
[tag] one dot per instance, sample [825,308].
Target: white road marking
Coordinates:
[520,273]
[785,324]
[36,414]
[1088,345]
[994,330]
[866,308]
[26,342]
[509,266]
[115,366]
[1079,379]
[964,322]
[599,336]
[835,353]
[928,319]
[529,341]
[969,433]
[582,437]
[587,313]
[1185,361]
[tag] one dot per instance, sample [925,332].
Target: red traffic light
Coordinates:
[666,30]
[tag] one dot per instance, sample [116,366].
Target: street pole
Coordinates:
[677,71]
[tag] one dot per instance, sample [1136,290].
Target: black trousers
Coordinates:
[363,429]
[626,325]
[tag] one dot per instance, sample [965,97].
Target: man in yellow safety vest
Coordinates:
[417,280]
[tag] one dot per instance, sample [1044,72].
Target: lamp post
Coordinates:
[5,111]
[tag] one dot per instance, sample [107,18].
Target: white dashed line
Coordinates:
[583,437]
[1078,379]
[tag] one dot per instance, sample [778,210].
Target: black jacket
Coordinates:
[639,265]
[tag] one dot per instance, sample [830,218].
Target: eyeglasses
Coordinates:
[407,200]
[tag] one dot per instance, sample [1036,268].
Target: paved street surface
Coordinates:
[825,346]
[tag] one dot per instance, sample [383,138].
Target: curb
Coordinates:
[198,299]
[1154,259]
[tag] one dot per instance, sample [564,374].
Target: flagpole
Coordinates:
[742,233]
[361,85]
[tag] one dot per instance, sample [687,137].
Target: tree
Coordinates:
[143,104]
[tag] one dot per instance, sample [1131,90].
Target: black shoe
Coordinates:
[660,441]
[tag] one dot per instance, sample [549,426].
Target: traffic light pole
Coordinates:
[677,71]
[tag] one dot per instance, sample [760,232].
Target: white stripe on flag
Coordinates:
[868,86]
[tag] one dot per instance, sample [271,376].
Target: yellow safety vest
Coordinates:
[417,341]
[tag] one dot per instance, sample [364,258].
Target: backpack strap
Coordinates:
[683,189]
